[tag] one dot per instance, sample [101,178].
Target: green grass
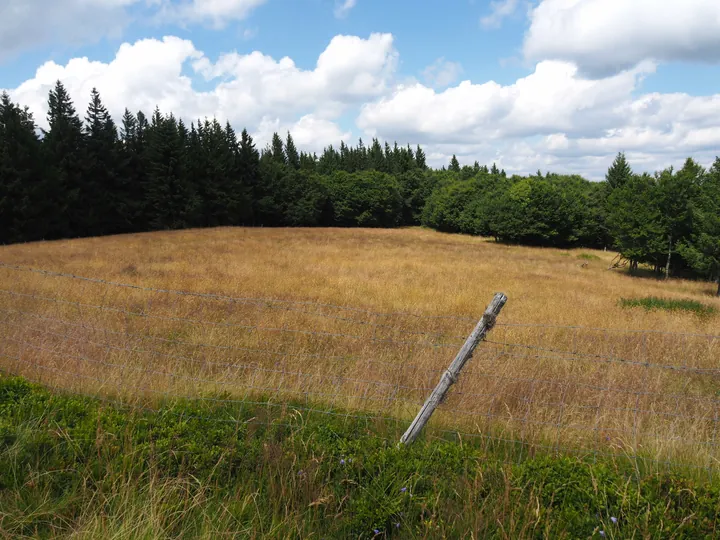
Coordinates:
[653,303]
[588,257]
[75,467]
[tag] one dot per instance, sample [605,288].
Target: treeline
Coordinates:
[90,177]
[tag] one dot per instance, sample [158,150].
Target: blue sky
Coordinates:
[558,85]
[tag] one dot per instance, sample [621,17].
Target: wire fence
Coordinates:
[529,388]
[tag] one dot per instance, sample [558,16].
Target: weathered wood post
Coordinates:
[449,377]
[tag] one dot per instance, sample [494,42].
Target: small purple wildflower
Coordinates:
[376,531]
[403,490]
[342,462]
[614,520]
[300,473]
[397,525]
[602,533]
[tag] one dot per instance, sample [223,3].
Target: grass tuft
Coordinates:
[651,303]
[588,257]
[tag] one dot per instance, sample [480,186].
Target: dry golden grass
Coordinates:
[414,295]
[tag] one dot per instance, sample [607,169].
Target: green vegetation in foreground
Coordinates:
[71,466]
[588,257]
[653,302]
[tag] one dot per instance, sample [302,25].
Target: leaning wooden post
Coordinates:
[449,377]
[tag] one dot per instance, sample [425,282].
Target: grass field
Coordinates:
[414,296]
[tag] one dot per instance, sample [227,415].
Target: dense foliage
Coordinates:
[76,467]
[87,177]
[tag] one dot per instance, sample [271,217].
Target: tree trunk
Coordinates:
[667,265]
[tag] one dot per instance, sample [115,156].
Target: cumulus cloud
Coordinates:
[442,73]
[309,132]
[252,90]
[555,118]
[343,7]
[608,36]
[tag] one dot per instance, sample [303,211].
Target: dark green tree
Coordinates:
[277,150]
[293,158]
[64,150]
[21,175]
[454,164]
[619,172]
[702,248]
[171,198]
[104,193]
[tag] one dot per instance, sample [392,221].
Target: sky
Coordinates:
[550,85]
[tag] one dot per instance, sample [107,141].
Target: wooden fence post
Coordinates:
[449,377]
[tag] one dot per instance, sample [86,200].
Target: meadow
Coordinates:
[366,320]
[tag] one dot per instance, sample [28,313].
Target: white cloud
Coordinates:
[253,90]
[442,73]
[499,9]
[309,132]
[554,118]
[25,24]
[607,36]
[215,12]
[343,7]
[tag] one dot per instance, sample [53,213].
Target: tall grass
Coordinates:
[77,468]
[603,391]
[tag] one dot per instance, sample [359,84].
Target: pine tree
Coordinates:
[171,199]
[293,158]
[377,157]
[21,175]
[277,151]
[619,172]
[64,148]
[494,169]
[104,192]
[249,169]
[454,164]
[420,158]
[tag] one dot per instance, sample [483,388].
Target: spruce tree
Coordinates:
[420,158]
[171,199]
[454,164]
[377,157]
[277,150]
[104,192]
[619,172]
[249,169]
[293,158]
[64,148]
[21,175]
